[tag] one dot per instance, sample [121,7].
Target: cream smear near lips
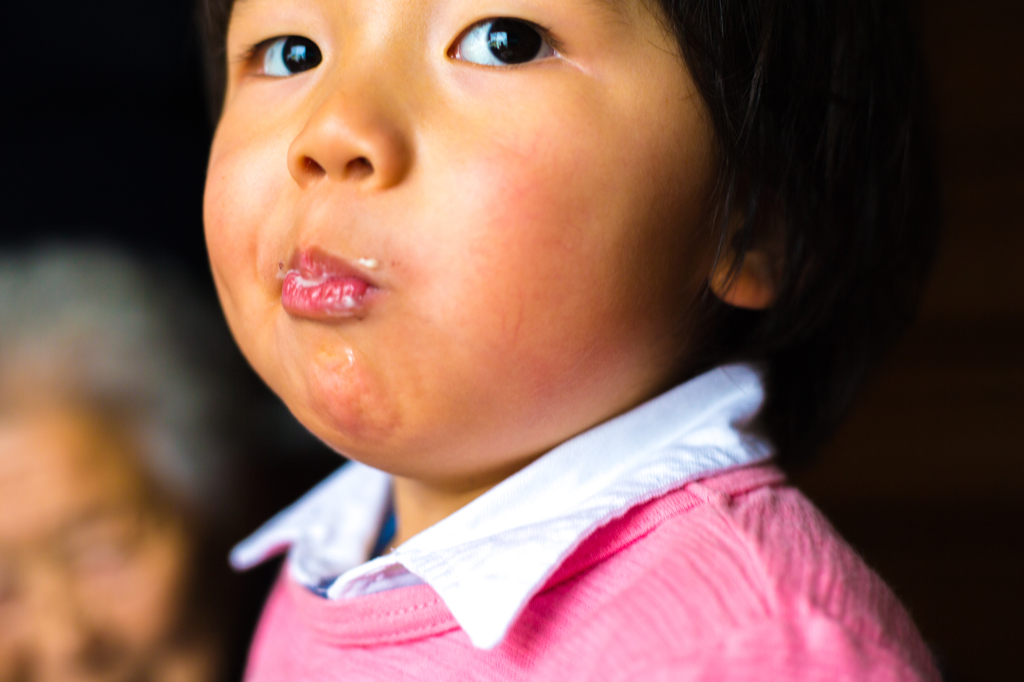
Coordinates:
[321,286]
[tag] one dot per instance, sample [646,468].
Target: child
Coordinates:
[560,277]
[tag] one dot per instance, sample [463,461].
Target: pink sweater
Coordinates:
[733,577]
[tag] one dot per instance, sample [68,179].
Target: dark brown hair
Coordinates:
[819,112]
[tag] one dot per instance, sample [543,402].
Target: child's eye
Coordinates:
[501,42]
[290,55]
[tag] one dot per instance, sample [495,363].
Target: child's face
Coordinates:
[511,250]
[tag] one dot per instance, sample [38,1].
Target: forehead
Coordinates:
[56,465]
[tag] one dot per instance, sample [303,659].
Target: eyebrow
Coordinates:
[615,6]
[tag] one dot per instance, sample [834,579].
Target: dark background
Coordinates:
[926,478]
[106,137]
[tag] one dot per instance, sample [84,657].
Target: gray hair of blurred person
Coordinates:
[130,337]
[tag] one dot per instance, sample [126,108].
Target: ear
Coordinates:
[751,283]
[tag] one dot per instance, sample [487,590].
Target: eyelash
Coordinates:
[251,56]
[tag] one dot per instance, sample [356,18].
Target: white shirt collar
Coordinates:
[489,558]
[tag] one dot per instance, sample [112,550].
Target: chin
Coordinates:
[347,406]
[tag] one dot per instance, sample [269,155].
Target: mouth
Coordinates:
[320,286]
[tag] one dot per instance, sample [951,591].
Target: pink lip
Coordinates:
[320,286]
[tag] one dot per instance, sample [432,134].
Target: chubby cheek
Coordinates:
[239,205]
[230,205]
[571,269]
[532,281]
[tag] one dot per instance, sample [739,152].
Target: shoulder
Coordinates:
[814,648]
[745,575]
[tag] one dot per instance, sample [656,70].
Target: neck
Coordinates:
[420,504]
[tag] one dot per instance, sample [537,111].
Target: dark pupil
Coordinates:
[513,41]
[301,54]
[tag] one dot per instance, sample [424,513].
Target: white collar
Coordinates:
[489,558]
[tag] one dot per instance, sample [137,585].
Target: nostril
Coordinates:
[359,168]
[312,167]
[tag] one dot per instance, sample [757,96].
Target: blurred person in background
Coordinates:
[115,472]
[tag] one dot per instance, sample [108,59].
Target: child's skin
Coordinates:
[536,234]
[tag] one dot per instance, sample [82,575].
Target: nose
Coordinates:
[350,137]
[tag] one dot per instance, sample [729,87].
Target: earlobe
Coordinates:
[751,284]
